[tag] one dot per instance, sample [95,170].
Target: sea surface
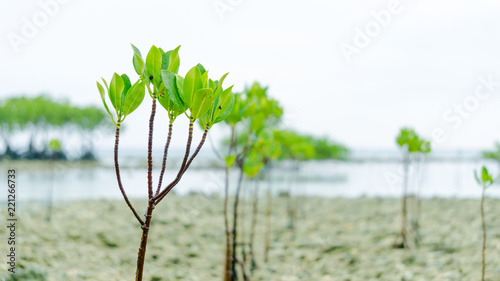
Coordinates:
[351,179]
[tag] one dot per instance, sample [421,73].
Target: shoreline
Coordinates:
[335,239]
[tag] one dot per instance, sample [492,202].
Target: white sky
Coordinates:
[426,59]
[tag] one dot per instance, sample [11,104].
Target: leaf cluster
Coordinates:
[195,94]
[19,113]
[411,142]
[485,178]
[296,146]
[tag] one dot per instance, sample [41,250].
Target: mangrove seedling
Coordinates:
[411,144]
[485,179]
[252,111]
[195,95]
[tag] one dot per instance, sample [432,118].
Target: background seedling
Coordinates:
[485,179]
[411,145]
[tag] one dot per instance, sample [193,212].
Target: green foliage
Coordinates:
[133,98]
[256,118]
[485,178]
[295,146]
[42,114]
[154,65]
[230,160]
[138,62]
[493,154]
[412,143]
[205,99]
[55,145]
[124,97]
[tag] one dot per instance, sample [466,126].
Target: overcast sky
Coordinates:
[356,71]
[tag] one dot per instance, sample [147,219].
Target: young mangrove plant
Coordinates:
[411,145]
[259,157]
[195,95]
[253,112]
[485,179]
[270,150]
[419,160]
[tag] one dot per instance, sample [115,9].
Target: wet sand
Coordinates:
[335,239]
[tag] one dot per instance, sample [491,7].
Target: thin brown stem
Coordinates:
[226,195]
[267,240]
[165,154]
[227,259]
[246,276]
[227,263]
[186,166]
[235,223]
[198,148]
[118,177]
[404,209]
[255,204]
[141,255]
[169,187]
[150,150]
[484,236]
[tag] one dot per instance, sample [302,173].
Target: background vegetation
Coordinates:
[48,123]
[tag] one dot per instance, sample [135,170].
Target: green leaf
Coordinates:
[226,104]
[192,83]
[486,179]
[219,84]
[126,87]
[136,51]
[172,91]
[105,83]
[126,83]
[134,97]
[174,60]
[484,174]
[204,80]
[179,81]
[202,101]
[115,92]
[172,109]
[165,60]
[153,64]
[212,84]
[138,61]
[102,93]
[230,160]
[201,68]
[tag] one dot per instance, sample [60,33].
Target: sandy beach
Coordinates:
[335,239]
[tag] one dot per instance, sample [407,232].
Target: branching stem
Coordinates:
[118,177]
[165,154]
[150,150]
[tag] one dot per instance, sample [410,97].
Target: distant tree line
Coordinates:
[48,123]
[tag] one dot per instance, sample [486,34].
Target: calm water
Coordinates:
[330,179]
